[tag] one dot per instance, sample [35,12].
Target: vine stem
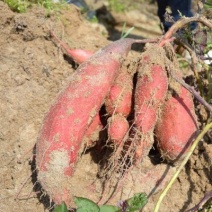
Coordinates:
[194,93]
[191,150]
[181,23]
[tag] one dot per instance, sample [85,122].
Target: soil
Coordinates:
[33,70]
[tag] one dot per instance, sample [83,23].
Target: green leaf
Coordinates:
[123,30]
[85,205]
[109,208]
[136,202]
[125,34]
[208,4]
[60,208]
[128,32]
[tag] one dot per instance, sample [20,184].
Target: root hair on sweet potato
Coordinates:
[123,158]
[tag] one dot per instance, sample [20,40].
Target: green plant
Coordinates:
[61,208]
[48,4]
[18,5]
[125,33]
[21,6]
[116,5]
[133,204]
[94,19]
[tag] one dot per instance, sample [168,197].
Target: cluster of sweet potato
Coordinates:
[160,113]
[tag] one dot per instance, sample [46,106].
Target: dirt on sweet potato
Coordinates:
[177,126]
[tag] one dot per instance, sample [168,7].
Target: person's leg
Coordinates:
[177,7]
[162,4]
[181,7]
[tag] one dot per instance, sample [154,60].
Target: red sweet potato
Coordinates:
[177,126]
[119,100]
[118,105]
[78,55]
[92,133]
[151,89]
[118,127]
[64,126]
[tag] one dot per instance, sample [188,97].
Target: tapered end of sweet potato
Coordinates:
[121,46]
[118,128]
[51,179]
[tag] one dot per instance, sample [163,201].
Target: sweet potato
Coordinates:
[118,105]
[177,126]
[151,89]
[64,126]
[118,127]
[92,133]
[119,100]
[78,55]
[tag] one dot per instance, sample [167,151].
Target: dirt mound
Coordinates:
[33,69]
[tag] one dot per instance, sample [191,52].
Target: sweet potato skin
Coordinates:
[118,128]
[64,126]
[150,93]
[79,55]
[119,100]
[177,126]
[92,133]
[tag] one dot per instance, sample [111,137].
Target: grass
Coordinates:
[18,5]
[125,33]
[116,5]
[21,6]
